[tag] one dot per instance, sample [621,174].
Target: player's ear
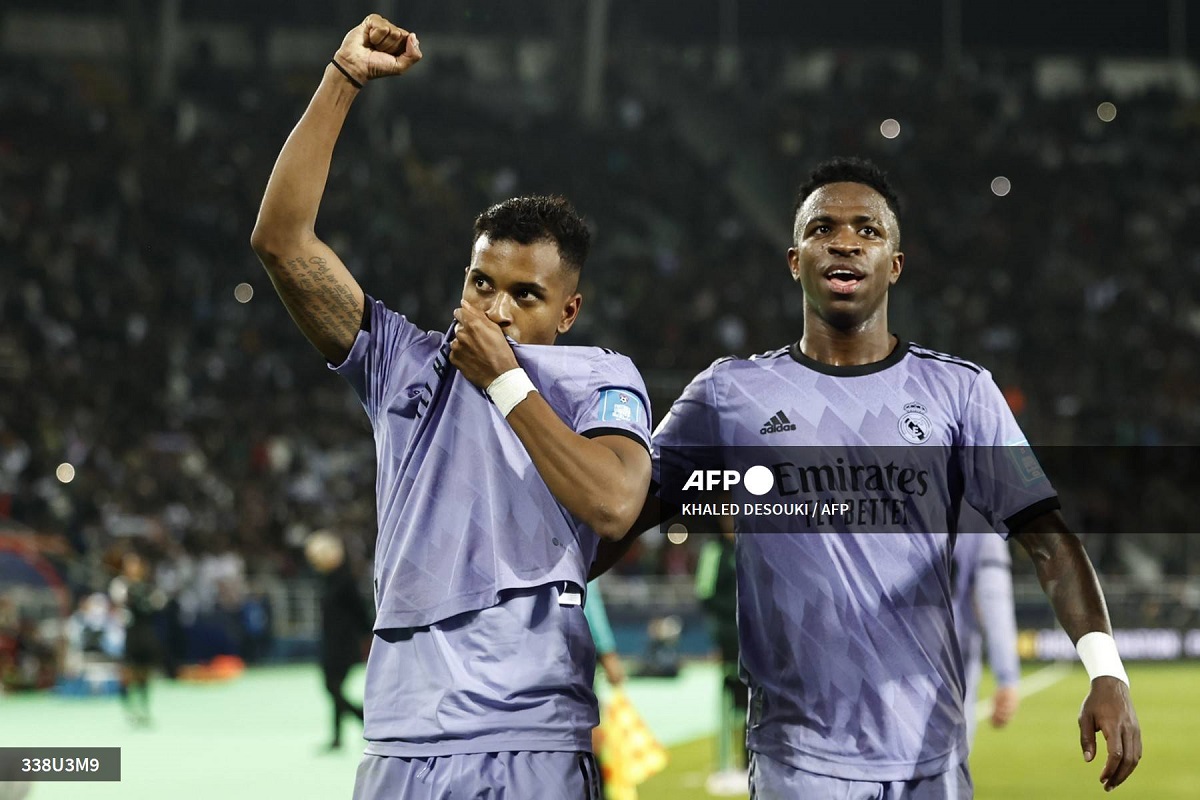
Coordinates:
[793,258]
[897,267]
[570,312]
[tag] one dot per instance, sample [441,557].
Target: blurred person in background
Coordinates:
[133,592]
[345,623]
[501,463]
[602,634]
[94,634]
[606,652]
[716,588]
[981,572]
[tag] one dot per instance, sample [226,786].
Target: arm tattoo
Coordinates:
[324,308]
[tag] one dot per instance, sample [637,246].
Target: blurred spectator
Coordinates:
[345,623]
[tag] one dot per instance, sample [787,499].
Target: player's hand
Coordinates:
[479,350]
[1004,705]
[377,49]
[1109,709]
[614,670]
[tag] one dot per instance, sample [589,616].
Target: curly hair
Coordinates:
[538,218]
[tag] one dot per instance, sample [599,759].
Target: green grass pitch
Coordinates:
[260,736]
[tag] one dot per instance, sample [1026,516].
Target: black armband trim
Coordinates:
[594,432]
[1029,513]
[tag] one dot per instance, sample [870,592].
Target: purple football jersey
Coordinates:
[847,633]
[468,528]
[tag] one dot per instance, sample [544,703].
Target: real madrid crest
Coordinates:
[915,425]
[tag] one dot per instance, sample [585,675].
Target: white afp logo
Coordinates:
[758,480]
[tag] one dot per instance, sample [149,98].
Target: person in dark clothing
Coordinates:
[345,622]
[716,589]
[133,591]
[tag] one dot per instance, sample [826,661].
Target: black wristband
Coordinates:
[342,70]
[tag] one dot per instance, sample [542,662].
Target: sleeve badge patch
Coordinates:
[619,405]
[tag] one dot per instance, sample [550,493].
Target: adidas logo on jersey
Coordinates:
[778,424]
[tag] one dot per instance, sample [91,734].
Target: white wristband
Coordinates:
[1098,652]
[509,389]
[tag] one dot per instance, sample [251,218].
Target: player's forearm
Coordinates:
[320,294]
[591,481]
[289,208]
[1066,575]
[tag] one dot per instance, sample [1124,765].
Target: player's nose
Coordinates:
[844,247]
[500,312]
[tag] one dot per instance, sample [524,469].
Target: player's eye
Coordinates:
[480,283]
[822,229]
[869,231]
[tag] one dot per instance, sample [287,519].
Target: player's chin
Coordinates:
[844,313]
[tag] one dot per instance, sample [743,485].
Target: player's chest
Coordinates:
[872,410]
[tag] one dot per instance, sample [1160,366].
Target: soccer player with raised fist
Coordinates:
[502,461]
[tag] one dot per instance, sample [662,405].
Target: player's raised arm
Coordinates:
[1069,581]
[319,292]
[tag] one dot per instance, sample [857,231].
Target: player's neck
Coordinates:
[846,348]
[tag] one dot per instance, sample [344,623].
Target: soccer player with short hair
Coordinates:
[847,638]
[501,462]
[983,609]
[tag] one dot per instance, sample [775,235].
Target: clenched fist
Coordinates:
[377,49]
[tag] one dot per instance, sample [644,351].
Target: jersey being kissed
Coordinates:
[463,512]
[476,647]
[847,634]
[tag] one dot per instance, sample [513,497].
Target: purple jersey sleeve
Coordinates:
[1002,476]
[389,352]
[616,402]
[688,438]
[595,392]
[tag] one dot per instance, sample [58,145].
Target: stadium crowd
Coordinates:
[186,414]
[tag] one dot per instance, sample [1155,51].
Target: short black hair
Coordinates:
[849,169]
[538,218]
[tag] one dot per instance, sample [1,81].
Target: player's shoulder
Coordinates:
[380,319]
[938,360]
[570,353]
[606,361]
[732,369]
[578,363]
[757,361]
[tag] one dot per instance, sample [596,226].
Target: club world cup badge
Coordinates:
[915,426]
[619,406]
[1026,462]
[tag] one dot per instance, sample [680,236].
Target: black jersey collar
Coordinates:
[850,371]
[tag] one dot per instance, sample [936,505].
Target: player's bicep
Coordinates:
[322,296]
[634,460]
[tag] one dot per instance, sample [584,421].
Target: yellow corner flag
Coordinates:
[629,753]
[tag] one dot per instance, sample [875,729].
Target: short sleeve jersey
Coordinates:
[845,622]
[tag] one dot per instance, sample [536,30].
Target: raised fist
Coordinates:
[377,49]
